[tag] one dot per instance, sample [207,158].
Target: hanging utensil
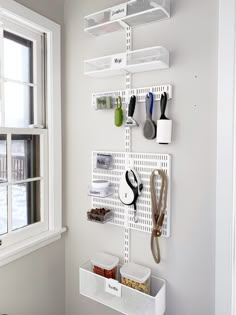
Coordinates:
[130,121]
[119,113]
[164,125]
[149,129]
[130,190]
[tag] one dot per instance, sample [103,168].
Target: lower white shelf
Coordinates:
[148,59]
[131,302]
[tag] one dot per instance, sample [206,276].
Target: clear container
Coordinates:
[136,277]
[100,215]
[104,161]
[105,265]
[100,184]
[100,193]
[104,102]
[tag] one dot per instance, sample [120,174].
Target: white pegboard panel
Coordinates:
[144,163]
[140,94]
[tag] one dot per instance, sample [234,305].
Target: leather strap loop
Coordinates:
[158,211]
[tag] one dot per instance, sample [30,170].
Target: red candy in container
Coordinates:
[105,265]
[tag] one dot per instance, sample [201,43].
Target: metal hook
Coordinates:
[135,216]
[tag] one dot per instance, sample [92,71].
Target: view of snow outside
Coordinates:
[19,197]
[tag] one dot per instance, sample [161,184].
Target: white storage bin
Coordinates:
[141,60]
[123,299]
[133,13]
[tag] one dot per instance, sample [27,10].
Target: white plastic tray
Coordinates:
[141,60]
[131,302]
[138,13]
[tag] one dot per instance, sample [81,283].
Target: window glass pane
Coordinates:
[3,209]
[18,58]
[25,157]
[25,204]
[3,189]
[18,105]
[3,158]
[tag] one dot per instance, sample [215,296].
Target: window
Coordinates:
[22,186]
[30,164]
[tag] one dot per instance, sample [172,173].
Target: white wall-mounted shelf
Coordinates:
[137,13]
[140,94]
[131,302]
[142,60]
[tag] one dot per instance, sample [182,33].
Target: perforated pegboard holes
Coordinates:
[140,93]
[144,163]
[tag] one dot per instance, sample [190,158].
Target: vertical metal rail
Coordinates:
[128,86]
[128,144]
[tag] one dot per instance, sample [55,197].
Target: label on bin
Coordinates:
[118,11]
[113,287]
[118,61]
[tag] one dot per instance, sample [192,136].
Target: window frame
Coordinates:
[225,256]
[20,14]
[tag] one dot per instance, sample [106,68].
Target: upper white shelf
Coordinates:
[132,13]
[141,60]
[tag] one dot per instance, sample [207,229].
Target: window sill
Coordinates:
[11,253]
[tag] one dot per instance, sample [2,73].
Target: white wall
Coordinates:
[54,10]
[34,285]
[188,256]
